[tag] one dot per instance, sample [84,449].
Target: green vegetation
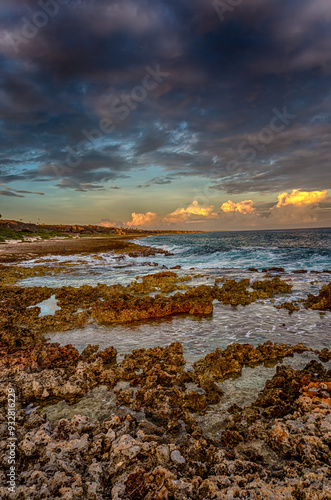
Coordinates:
[10,234]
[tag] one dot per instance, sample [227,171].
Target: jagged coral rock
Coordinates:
[264,453]
[322,301]
[221,364]
[128,308]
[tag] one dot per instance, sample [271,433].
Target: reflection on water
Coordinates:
[244,390]
[252,324]
[100,403]
[48,306]
[219,255]
[255,323]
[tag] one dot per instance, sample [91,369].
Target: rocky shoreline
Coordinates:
[150,442]
[159,295]
[14,252]
[278,447]
[20,239]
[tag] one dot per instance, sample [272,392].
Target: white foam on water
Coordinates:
[200,336]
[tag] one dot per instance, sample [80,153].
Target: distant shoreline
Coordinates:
[12,252]
[20,240]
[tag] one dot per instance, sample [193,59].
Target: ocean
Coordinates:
[210,256]
[292,249]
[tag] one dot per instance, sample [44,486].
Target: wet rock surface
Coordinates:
[318,302]
[158,295]
[322,301]
[229,362]
[9,275]
[146,440]
[278,447]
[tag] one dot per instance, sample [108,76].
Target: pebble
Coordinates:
[177,457]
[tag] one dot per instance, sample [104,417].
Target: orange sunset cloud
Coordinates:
[243,207]
[300,198]
[193,209]
[141,219]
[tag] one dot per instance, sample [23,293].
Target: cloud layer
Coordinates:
[192,212]
[291,208]
[139,220]
[301,198]
[243,207]
[153,93]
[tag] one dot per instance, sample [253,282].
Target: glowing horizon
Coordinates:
[113,112]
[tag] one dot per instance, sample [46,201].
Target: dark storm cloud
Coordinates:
[29,192]
[225,79]
[67,183]
[151,141]
[10,193]
[160,181]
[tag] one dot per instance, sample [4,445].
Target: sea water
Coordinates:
[209,256]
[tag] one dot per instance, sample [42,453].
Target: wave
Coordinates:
[243,258]
[222,251]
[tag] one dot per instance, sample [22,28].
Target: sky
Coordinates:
[170,114]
